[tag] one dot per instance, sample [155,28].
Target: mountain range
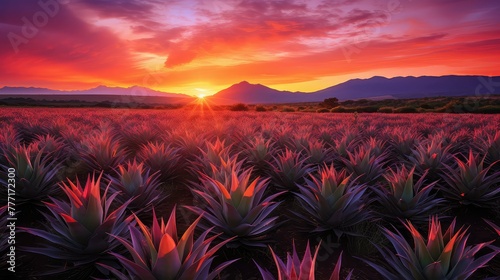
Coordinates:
[245,92]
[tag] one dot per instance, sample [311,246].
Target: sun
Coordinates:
[201,96]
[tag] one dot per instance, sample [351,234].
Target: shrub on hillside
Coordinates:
[405,109]
[287,109]
[385,110]
[342,109]
[260,108]
[323,110]
[239,107]
[366,109]
[488,109]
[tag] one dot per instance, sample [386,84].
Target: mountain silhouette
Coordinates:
[372,88]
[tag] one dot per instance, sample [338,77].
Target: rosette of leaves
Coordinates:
[237,208]
[35,175]
[77,231]
[161,158]
[331,201]
[258,153]
[430,156]
[440,256]
[401,198]
[101,152]
[472,184]
[364,165]
[159,253]
[297,268]
[289,169]
[134,183]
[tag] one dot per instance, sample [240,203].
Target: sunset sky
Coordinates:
[202,46]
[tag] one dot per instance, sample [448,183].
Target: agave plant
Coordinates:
[133,182]
[135,136]
[101,152]
[404,199]
[36,174]
[289,169]
[490,147]
[346,142]
[297,269]
[317,154]
[470,183]
[237,209]
[158,252]
[77,231]
[161,158]
[332,201]
[403,141]
[364,165]
[259,152]
[430,156]
[441,256]
[214,155]
[53,146]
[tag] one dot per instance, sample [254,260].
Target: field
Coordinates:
[366,196]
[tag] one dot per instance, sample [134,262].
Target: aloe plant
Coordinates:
[161,158]
[237,208]
[403,141]
[213,155]
[490,147]
[404,199]
[430,156]
[36,174]
[295,268]
[471,184]
[364,165]
[259,153]
[77,231]
[135,136]
[440,256]
[316,153]
[289,169]
[332,202]
[133,182]
[101,152]
[158,252]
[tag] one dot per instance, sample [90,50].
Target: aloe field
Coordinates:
[191,194]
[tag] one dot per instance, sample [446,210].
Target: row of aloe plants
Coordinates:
[238,185]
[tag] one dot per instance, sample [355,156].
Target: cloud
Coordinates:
[65,49]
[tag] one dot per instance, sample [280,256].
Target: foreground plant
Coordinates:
[289,169]
[295,268]
[101,152]
[332,201]
[404,199]
[441,256]
[36,174]
[159,253]
[161,158]
[78,231]
[133,182]
[237,208]
[365,165]
[430,156]
[470,183]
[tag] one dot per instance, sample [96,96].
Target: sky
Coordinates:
[203,46]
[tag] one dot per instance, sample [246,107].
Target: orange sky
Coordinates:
[202,46]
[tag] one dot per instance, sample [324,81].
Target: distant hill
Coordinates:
[372,88]
[98,94]
[245,92]
[100,90]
